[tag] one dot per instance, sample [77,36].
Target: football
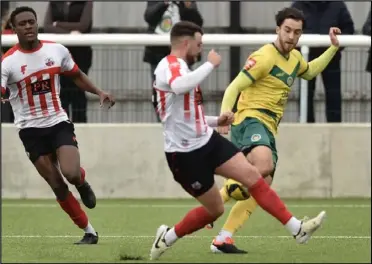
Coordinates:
[236,190]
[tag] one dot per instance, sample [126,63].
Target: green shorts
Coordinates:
[251,133]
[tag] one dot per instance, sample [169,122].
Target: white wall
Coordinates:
[127,160]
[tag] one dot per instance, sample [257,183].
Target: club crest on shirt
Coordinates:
[249,63]
[49,62]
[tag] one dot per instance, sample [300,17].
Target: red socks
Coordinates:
[270,201]
[199,217]
[72,207]
[82,171]
[194,220]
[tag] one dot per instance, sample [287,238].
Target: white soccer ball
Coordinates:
[236,190]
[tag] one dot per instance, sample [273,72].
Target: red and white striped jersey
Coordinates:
[180,104]
[32,78]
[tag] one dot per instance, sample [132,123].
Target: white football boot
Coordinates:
[159,246]
[308,227]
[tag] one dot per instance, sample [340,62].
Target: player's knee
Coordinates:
[264,165]
[72,175]
[261,158]
[217,211]
[251,175]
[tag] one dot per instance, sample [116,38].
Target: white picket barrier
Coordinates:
[306,41]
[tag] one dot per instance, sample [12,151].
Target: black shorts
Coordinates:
[195,170]
[43,141]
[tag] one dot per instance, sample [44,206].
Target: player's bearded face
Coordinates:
[289,33]
[26,27]
[194,48]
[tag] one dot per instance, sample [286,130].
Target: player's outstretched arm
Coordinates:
[70,68]
[225,119]
[182,83]
[256,67]
[240,83]
[212,121]
[316,66]
[188,81]
[83,82]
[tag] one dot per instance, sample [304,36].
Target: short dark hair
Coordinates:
[291,13]
[19,10]
[185,28]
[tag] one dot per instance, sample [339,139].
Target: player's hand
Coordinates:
[3,100]
[333,32]
[225,119]
[75,32]
[214,58]
[106,99]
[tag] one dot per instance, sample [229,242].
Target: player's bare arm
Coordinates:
[316,66]
[83,82]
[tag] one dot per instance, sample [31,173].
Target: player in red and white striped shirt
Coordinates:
[195,152]
[31,71]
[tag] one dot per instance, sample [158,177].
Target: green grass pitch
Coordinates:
[39,231]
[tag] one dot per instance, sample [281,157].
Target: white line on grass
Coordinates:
[44,205]
[200,237]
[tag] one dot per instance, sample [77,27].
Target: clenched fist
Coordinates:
[224,121]
[214,58]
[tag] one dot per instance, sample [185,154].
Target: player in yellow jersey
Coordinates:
[264,84]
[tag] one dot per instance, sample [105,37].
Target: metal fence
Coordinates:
[121,71]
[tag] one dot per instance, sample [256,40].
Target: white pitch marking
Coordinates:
[202,237]
[45,205]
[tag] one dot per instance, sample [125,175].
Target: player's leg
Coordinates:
[47,167]
[235,136]
[68,157]
[255,141]
[240,170]
[40,152]
[195,173]
[257,144]
[211,209]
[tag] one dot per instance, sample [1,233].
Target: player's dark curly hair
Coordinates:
[19,10]
[289,12]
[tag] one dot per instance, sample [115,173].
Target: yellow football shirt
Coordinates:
[265,83]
